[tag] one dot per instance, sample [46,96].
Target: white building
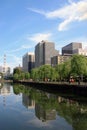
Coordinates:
[6,70]
[81,51]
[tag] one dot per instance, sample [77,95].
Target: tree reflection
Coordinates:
[48,106]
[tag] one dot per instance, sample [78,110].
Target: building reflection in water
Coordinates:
[28,102]
[50,106]
[5,91]
[40,112]
[42,109]
[44,114]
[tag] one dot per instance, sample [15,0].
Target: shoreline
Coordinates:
[79,90]
[82,84]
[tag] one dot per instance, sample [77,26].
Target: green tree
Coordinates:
[59,69]
[35,74]
[79,65]
[22,76]
[66,69]
[45,72]
[17,70]
[54,74]
[16,76]
[27,75]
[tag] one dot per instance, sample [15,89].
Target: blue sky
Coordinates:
[24,23]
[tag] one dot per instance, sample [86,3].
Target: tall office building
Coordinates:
[43,53]
[28,62]
[70,48]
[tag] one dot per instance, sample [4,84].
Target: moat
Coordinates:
[24,107]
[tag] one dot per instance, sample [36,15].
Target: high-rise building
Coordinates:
[28,62]
[70,48]
[43,53]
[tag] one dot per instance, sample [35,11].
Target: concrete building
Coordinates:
[55,60]
[70,48]
[43,53]
[6,70]
[81,51]
[28,62]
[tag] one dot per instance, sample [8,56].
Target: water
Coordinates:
[25,108]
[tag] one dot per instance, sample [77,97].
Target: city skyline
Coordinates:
[25,23]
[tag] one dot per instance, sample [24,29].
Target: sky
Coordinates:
[24,23]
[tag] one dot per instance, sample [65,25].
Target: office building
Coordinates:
[81,51]
[43,53]
[70,48]
[55,60]
[28,62]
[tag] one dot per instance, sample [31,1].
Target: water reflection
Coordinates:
[28,101]
[47,106]
[61,112]
[5,90]
[43,113]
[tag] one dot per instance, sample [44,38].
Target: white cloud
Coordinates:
[37,11]
[64,24]
[69,13]
[39,37]
[19,49]
[39,124]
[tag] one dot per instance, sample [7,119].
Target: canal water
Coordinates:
[26,108]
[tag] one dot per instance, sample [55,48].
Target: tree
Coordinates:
[17,70]
[59,69]
[66,69]
[22,76]
[45,72]
[15,76]
[54,74]
[35,74]
[27,75]
[79,65]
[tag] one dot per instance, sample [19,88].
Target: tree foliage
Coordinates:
[17,70]
[76,66]
[79,65]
